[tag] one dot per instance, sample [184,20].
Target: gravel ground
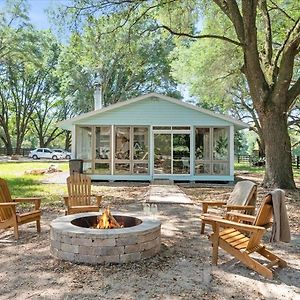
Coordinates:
[181,270]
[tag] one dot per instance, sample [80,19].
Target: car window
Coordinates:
[39,150]
[47,151]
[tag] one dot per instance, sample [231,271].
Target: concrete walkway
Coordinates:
[170,194]
[56,178]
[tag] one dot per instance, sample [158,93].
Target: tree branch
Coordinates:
[283,11]
[231,10]
[268,32]
[286,68]
[294,91]
[280,50]
[224,38]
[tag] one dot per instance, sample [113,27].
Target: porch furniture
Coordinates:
[242,198]
[9,217]
[80,196]
[241,240]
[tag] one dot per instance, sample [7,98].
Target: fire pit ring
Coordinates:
[70,241]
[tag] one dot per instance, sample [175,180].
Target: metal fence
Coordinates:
[254,159]
[23,151]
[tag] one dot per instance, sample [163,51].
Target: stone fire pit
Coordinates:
[72,239]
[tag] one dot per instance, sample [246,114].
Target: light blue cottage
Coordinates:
[154,137]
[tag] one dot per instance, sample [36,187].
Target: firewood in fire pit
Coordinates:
[107,221]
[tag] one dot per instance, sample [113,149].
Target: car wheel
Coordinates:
[68,157]
[55,157]
[34,156]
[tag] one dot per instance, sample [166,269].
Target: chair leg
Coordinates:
[272,257]
[245,258]
[16,231]
[38,226]
[215,244]
[204,210]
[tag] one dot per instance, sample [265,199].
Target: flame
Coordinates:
[107,221]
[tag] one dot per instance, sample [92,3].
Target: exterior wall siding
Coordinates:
[154,111]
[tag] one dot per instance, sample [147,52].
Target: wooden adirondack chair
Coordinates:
[242,198]
[8,215]
[79,197]
[241,240]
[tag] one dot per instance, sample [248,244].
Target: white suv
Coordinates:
[45,153]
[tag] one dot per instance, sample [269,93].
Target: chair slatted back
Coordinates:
[79,189]
[265,213]
[244,193]
[5,213]
[263,219]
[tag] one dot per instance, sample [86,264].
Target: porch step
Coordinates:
[162,182]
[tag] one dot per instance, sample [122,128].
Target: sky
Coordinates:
[37,11]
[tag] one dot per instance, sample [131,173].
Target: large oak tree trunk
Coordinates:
[279,171]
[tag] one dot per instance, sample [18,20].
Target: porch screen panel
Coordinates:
[84,143]
[122,143]
[162,153]
[220,144]
[103,150]
[212,151]
[140,143]
[140,150]
[84,147]
[202,151]
[181,153]
[220,151]
[103,138]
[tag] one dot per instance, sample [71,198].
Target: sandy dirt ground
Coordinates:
[182,269]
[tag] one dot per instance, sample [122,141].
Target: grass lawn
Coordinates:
[245,167]
[25,185]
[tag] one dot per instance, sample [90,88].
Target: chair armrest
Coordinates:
[239,207]
[241,217]
[225,223]
[36,201]
[98,199]
[29,199]
[66,199]
[214,203]
[207,204]
[7,204]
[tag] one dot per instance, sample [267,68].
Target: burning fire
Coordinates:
[107,221]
